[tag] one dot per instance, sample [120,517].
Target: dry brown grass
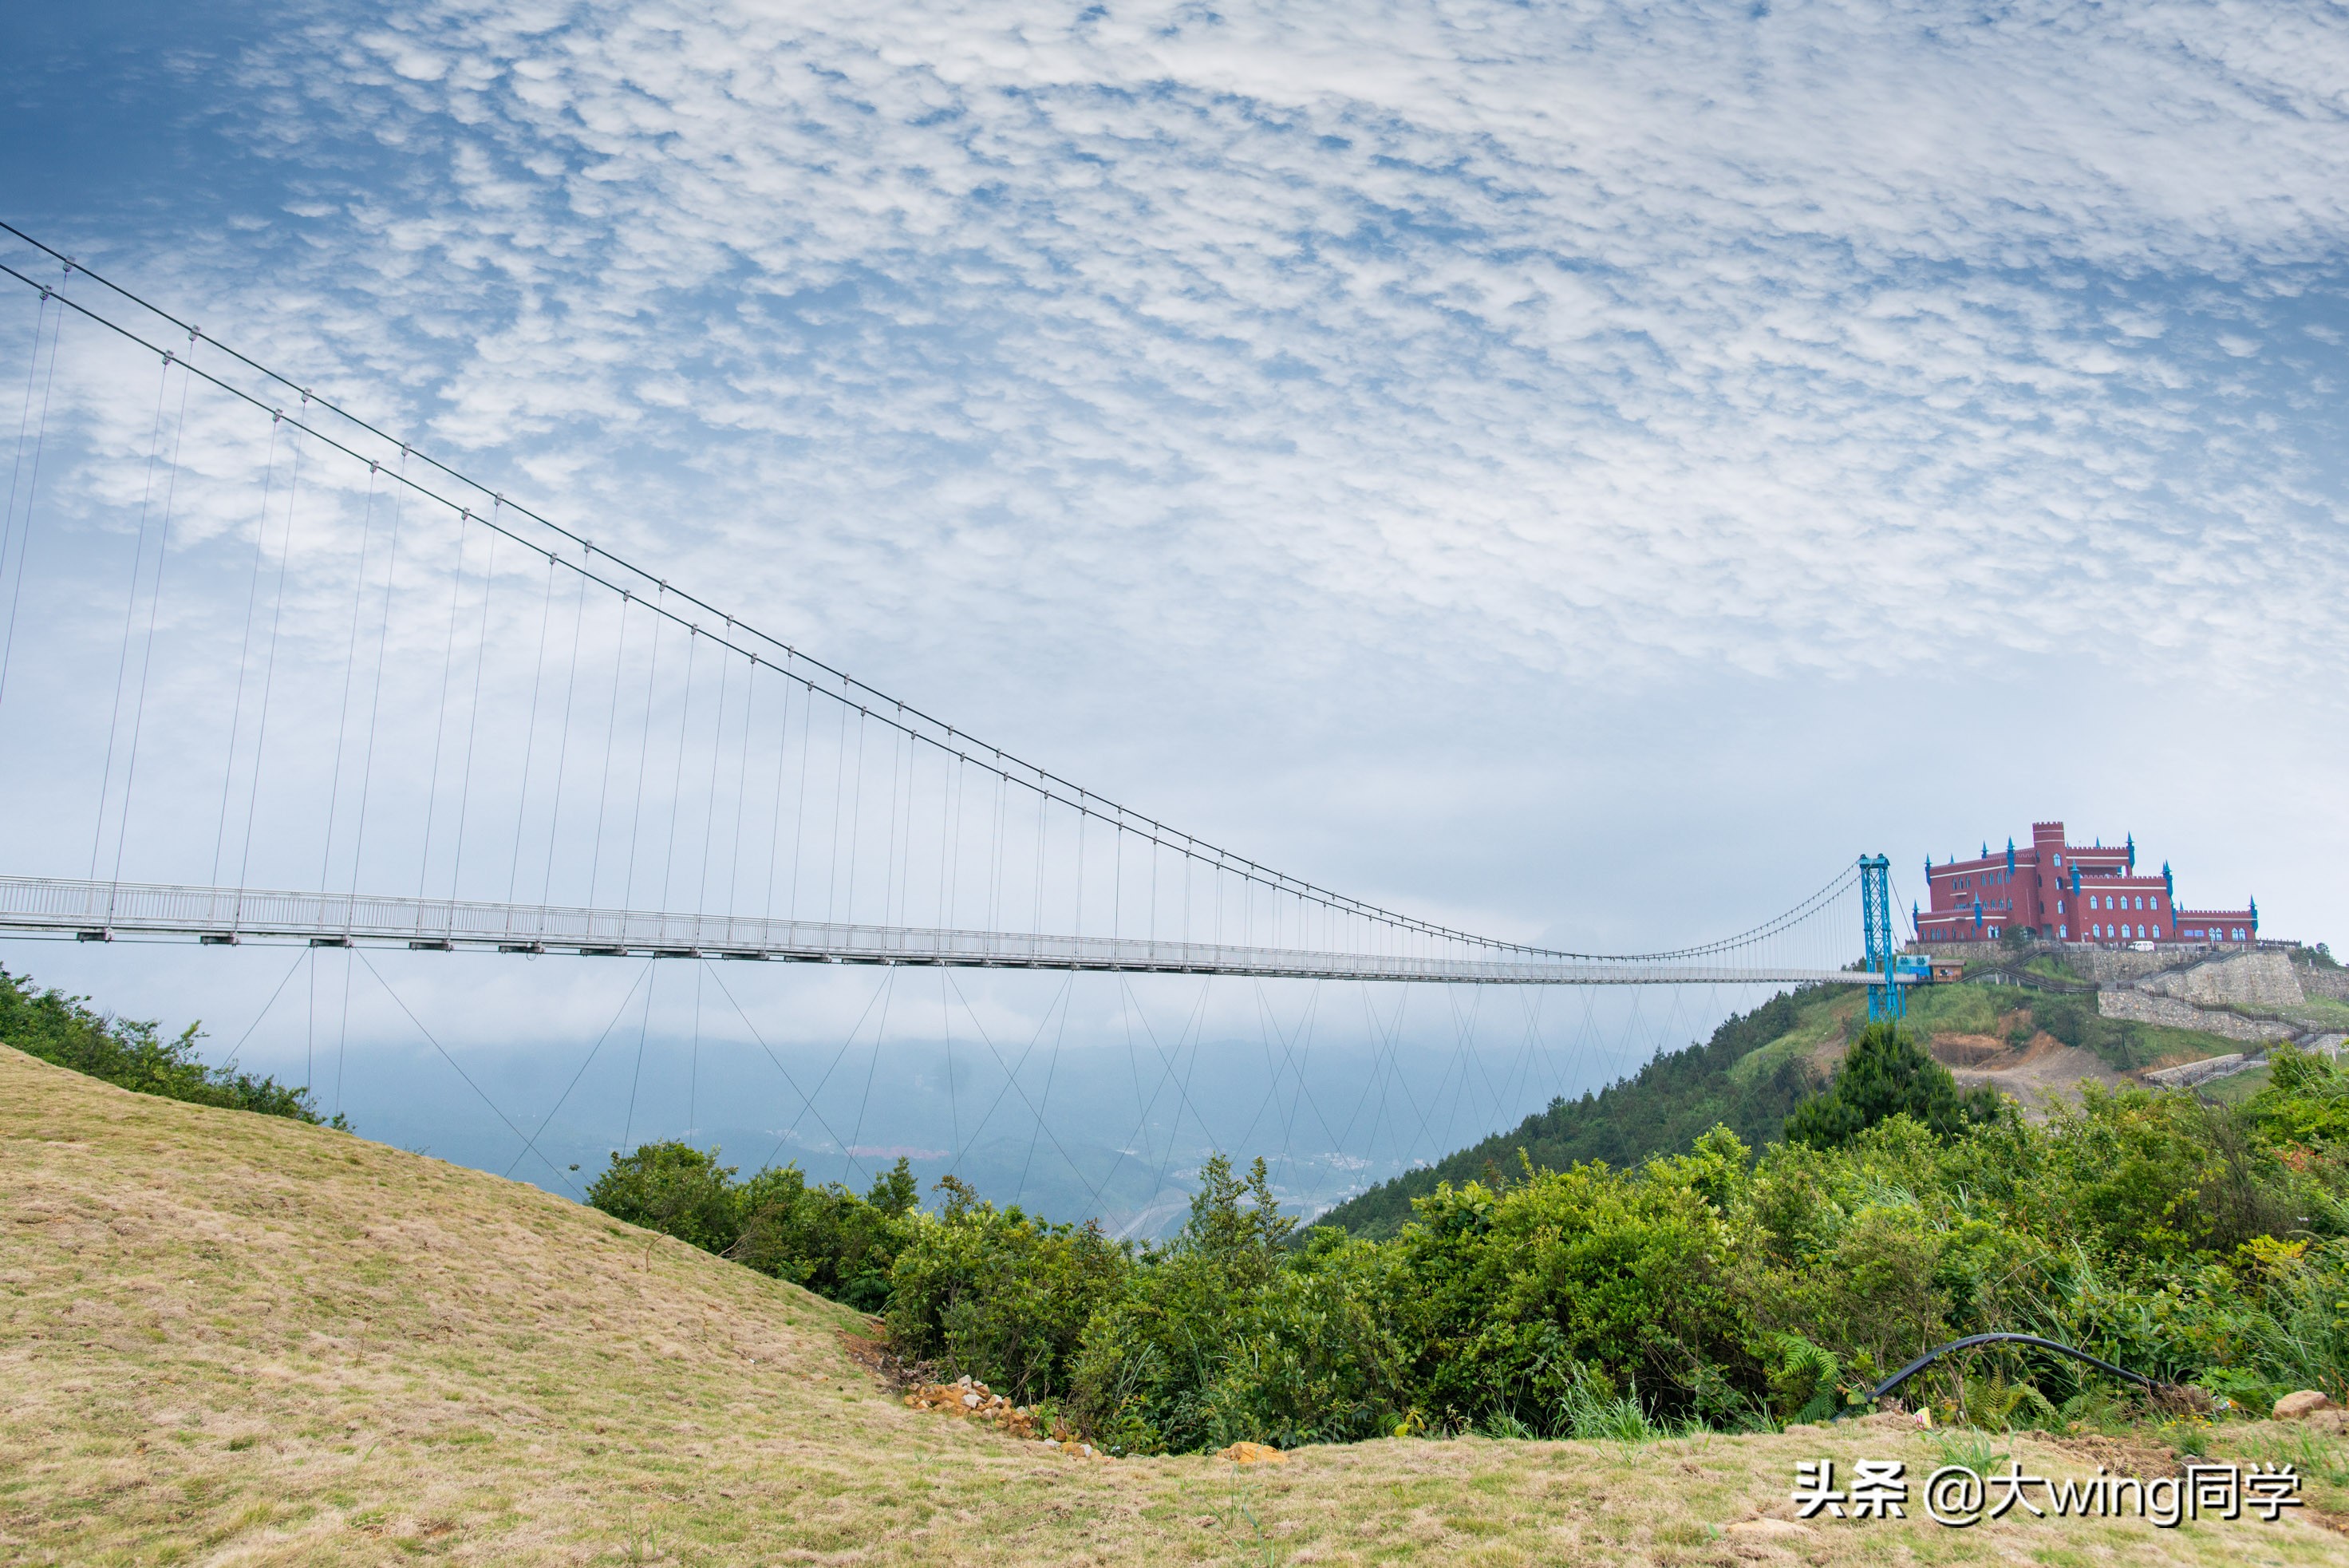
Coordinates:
[230,1339]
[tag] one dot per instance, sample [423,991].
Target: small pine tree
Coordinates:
[1884,1074]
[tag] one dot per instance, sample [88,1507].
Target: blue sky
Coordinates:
[1578,471]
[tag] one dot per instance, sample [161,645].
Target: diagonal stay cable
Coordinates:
[846,1044]
[1304,1030]
[806,1103]
[1165,1074]
[1092,1191]
[1059,998]
[549,1121]
[1267,1025]
[238,1048]
[434,1042]
[560,1175]
[1051,1070]
[1198,1033]
[880,1033]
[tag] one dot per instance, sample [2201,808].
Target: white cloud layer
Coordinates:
[1427,445]
[1573,470]
[1778,339]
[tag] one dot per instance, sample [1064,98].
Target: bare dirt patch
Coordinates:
[2042,1070]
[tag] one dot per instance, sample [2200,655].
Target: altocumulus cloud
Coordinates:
[1589,339]
[1577,471]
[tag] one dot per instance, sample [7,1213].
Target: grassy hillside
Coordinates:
[226,1337]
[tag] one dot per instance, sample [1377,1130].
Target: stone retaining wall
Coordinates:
[2202,1071]
[2145,1007]
[2238,979]
[2331,982]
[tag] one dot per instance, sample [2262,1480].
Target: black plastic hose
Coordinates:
[1930,1357]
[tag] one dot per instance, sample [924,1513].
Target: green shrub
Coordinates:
[1000,1296]
[675,1188]
[1514,1299]
[2306,1101]
[826,1237]
[133,1055]
[1224,1334]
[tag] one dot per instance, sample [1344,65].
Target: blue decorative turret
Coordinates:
[2132,851]
[1985,854]
[2009,854]
[2169,884]
[2076,881]
[1978,908]
[2255,916]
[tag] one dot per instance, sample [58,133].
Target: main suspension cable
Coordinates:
[824,679]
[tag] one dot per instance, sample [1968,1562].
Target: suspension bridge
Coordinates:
[350,696]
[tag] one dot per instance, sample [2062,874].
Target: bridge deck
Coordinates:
[103,911]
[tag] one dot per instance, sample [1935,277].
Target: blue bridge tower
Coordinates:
[1884,1000]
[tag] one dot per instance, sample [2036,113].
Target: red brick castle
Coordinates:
[2070,893]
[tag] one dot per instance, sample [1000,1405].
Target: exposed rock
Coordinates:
[972,1401]
[1252,1454]
[2299,1406]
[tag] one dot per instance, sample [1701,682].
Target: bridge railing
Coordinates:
[104,910]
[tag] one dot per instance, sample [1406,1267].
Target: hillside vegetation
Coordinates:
[1663,1109]
[226,1337]
[1750,1077]
[55,1027]
[1725,1288]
